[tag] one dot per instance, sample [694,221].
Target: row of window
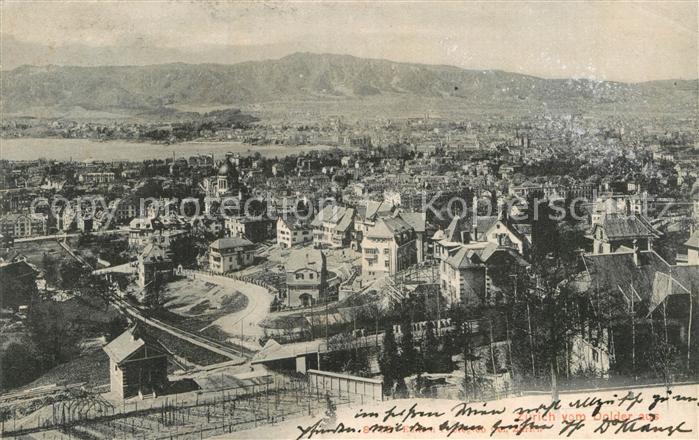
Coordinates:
[374,251]
[283,232]
[386,263]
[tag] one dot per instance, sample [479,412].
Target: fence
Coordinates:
[336,383]
[185,416]
[244,278]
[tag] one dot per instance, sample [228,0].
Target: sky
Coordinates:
[620,40]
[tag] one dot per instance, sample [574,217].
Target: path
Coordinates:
[127,268]
[70,235]
[244,322]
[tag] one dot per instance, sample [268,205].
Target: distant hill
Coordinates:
[305,76]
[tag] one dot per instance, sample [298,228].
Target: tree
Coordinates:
[471,387]
[70,273]
[430,350]
[389,361]
[184,251]
[152,296]
[409,356]
[55,337]
[544,229]
[17,290]
[116,326]
[546,315]
[344,355]
[19,366]
[358,363]
[114,251]
[401,388]
[50,266]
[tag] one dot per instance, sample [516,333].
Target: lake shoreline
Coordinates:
[62,149]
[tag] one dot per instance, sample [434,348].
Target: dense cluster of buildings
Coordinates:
[406,196]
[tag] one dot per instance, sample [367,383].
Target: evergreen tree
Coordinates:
[50,268]
[430,350]
[471,381]
[388,362]
[544,230]
[401,388]
[409,356]
[19,366]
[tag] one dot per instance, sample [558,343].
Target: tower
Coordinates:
[227,178]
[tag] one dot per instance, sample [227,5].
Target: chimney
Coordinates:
[636,254]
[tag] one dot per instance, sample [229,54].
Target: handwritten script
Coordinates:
[632,413]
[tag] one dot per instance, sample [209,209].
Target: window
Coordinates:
[386,251]
[386,263]
[310,276]
[595,355]
[299,276]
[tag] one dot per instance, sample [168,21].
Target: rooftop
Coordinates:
[231,242]
[305,258]
[620,226]
[127,343]
[339,215]
[389,228]
[693,241]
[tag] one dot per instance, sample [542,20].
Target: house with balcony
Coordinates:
[465,272]
[365,217]
[332,227]
[388,247]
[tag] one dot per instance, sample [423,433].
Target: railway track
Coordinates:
[237,353]
[233,353]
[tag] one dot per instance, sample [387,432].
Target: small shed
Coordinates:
[137,365]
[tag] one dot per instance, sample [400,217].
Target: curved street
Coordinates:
[242,326]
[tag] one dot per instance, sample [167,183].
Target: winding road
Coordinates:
[245,322]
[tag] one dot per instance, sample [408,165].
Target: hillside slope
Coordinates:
[305,76]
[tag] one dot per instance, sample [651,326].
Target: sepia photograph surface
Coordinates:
[349,219]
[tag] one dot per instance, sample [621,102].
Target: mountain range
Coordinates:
[323,77]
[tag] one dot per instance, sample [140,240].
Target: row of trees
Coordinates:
[405,357]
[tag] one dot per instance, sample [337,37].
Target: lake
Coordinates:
[86,149]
